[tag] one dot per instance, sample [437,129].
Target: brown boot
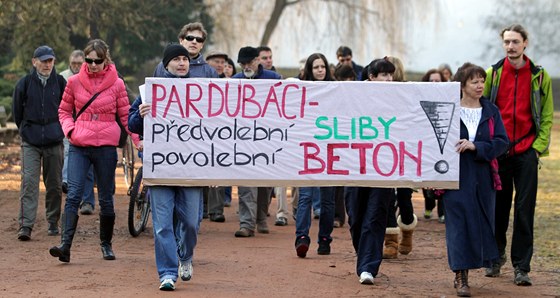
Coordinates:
[405,246]
[461,283]
[391,243]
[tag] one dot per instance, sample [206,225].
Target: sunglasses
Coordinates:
[97,61]
[191,38]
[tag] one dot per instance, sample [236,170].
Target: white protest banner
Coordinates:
[300,133]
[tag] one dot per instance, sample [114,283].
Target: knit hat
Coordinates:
[173,50]
[247,54]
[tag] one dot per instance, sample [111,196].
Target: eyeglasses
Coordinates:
[191,38]
[97,61]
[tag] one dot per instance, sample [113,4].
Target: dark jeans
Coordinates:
[104,161]
[339,206]
[367,216]
[520,171]
[403,199]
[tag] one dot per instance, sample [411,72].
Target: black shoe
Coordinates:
[281,221]
[65,187]
[522,278]
[324,247]
[53,229]
[494,271]
[86,209]
[24,234]
[302,246]
[217,217]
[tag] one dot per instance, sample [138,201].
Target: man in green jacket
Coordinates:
[523,93]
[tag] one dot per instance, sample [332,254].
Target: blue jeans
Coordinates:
[303,217]
[175,219]
[104,162]
[89,195]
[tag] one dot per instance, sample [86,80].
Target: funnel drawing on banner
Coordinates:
[440,115]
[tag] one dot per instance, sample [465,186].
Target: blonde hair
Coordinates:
[398,75]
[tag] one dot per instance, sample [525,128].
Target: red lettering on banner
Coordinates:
[396,158]
[191,99]
[416,158]
[249,99]
[362,154]
[311,156]
[156,98]
[211,87]
[376,160]
[331,158]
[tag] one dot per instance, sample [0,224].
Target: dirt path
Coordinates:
[225,266]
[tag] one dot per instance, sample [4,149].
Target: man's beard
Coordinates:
[249,73]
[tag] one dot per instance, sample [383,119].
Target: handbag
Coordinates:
[124,134]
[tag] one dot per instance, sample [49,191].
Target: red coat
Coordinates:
[97,125]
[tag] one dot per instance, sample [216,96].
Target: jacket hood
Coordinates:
[108,75]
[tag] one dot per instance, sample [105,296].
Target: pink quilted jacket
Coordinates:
[96,126]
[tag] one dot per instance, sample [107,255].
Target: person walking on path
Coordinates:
[98,98]
[522,91]
[35,105]
[469,210]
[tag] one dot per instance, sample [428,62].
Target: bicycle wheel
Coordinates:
[128,160]
[139,206]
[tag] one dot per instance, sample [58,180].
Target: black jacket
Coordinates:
[35,109]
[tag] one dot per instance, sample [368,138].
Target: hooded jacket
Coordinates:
[97,125]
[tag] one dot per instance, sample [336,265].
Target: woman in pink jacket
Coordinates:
[93,133]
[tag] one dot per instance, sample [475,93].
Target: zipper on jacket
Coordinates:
[514,108]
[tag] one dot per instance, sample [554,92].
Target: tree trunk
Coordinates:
[279,6]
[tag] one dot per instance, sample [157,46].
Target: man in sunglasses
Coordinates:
[192,36]
[35,109]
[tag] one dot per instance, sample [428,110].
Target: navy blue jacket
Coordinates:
[35,109]
[470,210]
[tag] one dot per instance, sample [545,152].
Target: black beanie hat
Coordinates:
[173,50]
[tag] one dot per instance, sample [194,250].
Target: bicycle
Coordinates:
[128,160]
[139,206]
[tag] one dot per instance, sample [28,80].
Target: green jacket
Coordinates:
[542,106]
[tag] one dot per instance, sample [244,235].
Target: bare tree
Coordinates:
[540,19]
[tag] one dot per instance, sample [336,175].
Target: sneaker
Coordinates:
[428,214]
[441,219]
[167,285]
[86,209]
[302,246]
[522,278]
[494,271]
[366,278]
[324,247]
[263,228]
[24,234]
[53,229]
[281,221]
[185,270]
[337,224]
[244,232]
